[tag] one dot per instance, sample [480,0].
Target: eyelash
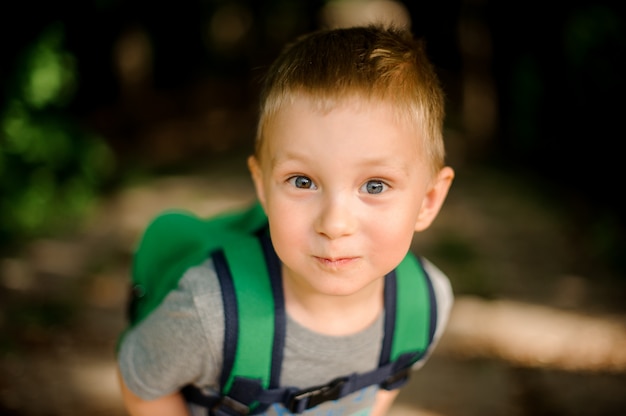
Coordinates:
[309,184]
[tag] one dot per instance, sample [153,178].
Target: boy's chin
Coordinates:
[341,288]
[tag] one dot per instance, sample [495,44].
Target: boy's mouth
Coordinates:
[335,262]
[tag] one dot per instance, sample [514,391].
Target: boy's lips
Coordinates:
[335,261]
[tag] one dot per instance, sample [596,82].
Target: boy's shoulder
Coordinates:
[442,286]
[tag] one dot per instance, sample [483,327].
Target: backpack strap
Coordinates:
[257,329]
[408,293]
[254,331]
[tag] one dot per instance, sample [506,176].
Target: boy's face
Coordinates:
[344,192]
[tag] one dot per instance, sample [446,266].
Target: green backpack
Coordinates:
[249,273]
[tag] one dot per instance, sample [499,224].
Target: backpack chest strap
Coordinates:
[245,391]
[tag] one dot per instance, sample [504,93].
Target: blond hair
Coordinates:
[370,62]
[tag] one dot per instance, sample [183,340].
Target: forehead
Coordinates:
[346,127]
[298,108]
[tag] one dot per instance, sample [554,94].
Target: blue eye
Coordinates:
[302,182]
[374,187]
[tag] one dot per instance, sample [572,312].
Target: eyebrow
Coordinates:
[380,162]
[287,156]
[396,168]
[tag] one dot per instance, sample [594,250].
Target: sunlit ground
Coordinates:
[523,343]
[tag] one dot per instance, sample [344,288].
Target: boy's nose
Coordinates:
[336,218]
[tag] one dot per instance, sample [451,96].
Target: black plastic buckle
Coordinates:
[396,380]
[230,406]
[316,395]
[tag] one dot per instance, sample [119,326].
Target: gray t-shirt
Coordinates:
[181,343]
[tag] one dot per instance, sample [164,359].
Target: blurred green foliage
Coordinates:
[51,168]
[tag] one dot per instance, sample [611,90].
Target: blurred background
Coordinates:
[111,111]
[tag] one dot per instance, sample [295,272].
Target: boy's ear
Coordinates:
[257,178]
[433,200]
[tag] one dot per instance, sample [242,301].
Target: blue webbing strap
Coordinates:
[231,315]
[391,288]
[274,268]
[191,393]
[297,401]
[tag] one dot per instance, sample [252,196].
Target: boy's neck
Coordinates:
[334,315]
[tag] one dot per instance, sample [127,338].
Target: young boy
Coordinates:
[349,164]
